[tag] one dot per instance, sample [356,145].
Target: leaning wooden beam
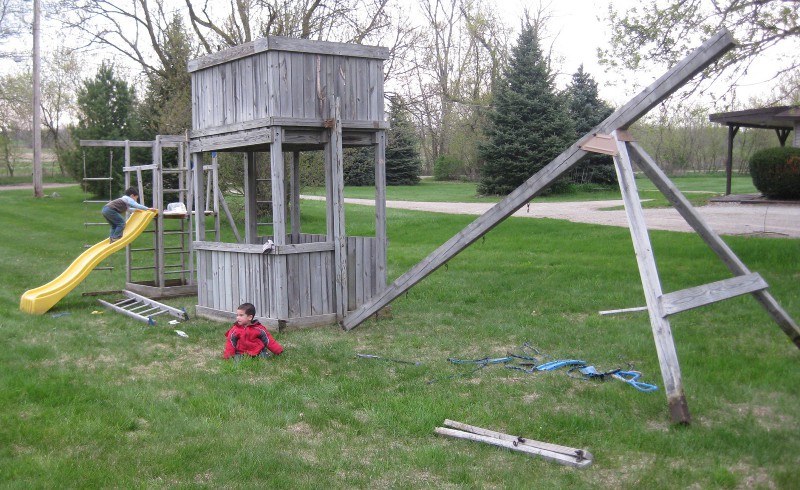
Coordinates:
[712,239]
[637,107]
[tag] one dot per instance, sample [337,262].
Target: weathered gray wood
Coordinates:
[654,94]
[116,143]
[244,139]
[275,43]
[511,445]
[301,248]
[228,247]
[712,239]
[689,298]
[662,332]
[337,214]
[380,211]
[556,448]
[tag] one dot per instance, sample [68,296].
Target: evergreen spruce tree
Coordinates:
[529,124]
[106,111]
[403,163]
[359,166]
[587,111]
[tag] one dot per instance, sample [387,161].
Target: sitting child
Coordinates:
[248,336]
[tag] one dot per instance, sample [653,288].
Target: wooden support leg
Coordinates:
[684,207]
[662,333]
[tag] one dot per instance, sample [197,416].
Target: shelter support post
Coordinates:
[199,198]
[294,191]
[732,130]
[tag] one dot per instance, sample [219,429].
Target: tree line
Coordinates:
[455,79]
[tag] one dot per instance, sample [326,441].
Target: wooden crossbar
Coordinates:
[689,298]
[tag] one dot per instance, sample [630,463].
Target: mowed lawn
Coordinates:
[91,398]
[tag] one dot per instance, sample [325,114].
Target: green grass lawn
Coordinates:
[100,400]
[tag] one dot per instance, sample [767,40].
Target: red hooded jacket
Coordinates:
[250,340]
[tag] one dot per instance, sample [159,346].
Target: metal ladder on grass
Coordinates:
[142,308]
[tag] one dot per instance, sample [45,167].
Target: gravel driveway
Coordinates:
[773,220]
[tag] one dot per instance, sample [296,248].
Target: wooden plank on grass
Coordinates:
[578,454]
[542,453]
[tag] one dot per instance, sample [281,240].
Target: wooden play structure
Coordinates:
[165,269]
[610,137]
[263,99]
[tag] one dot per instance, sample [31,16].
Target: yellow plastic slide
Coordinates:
[38,301]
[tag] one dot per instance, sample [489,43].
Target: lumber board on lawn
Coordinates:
[689,298]
[542,453]
[712,239]
[556,448]
[637,107]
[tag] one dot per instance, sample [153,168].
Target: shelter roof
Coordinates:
[767,118]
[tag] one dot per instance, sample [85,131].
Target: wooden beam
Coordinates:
[645,259]
[684,207]
[689,298]
[250,206]
[337,211]
[653,95]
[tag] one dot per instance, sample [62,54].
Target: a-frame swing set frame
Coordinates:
[610,137]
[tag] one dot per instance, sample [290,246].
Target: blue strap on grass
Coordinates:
[632,378]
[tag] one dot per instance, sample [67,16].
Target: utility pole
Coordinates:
[37,103]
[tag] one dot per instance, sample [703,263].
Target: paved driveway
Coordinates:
[773,220]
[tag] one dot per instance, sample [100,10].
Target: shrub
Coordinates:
[447,168]
[776,172]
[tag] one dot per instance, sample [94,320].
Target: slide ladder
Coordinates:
[142,308]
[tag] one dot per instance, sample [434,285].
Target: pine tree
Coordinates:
[528,124]
[106,111]
[359,166]
[403,162]
[587,111]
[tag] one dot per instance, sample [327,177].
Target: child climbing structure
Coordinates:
[39,300]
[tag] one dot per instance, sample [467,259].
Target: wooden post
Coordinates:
[662,333]
[380,211]
[336,205]
[250,205]
[158,203]
[626,115]
[294,189]
[684,207]
[281,278]
[199,198]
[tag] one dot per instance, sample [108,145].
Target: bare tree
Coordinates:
[459,57]
[660,31]
[11,26]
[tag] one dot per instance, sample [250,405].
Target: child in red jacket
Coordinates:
[248,336]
